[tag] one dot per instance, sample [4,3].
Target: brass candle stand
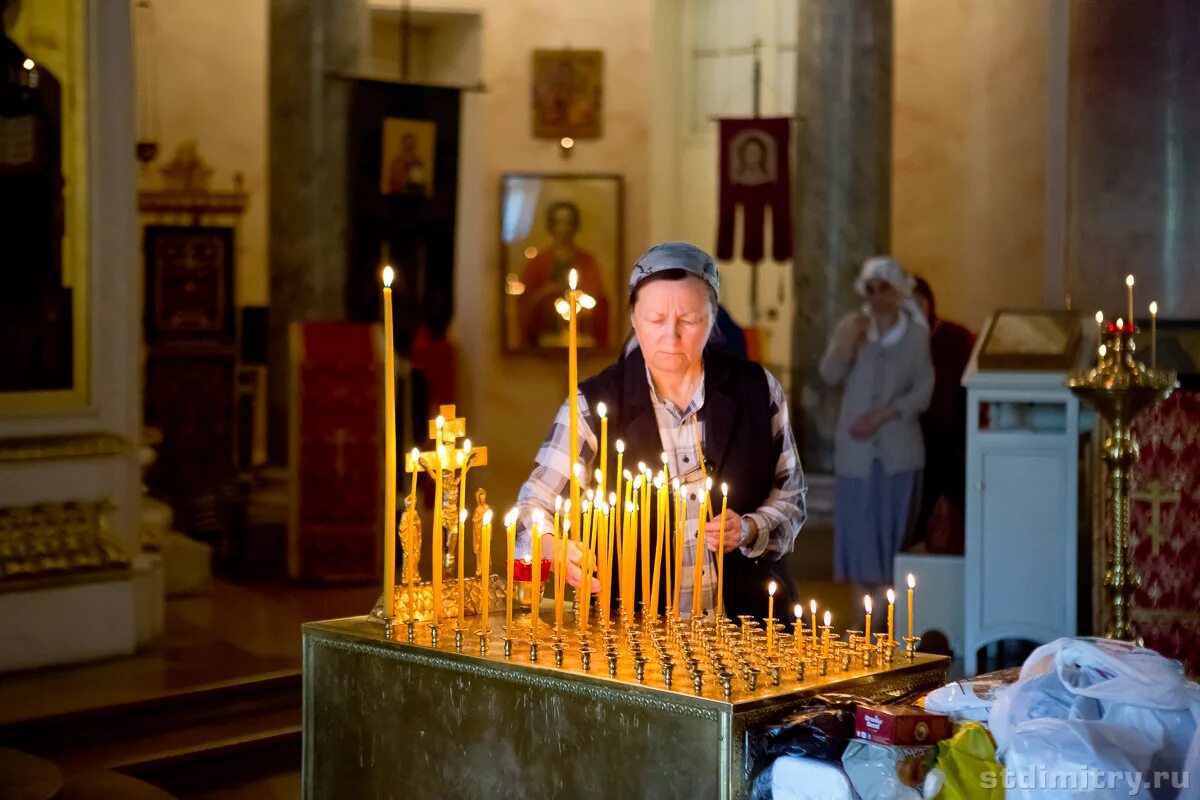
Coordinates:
[1119,387]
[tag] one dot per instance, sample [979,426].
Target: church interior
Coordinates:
[339,340]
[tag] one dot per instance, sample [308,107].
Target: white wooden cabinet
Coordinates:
[1021,558]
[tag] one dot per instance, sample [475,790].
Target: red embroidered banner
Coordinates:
[1165,522]
[756,175]
[336,451]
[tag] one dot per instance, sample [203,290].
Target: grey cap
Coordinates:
[675,255]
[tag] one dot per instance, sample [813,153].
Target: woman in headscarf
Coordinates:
[879,356]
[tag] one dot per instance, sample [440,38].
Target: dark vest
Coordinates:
[738,449]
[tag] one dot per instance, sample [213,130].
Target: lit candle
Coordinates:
[798,629]
[561,581]
[1100,334]
[867,626]
[602,479]
[721,552]
[1129,292]
[511,522]
[658,549]
[462,581]
[485,557]
[698,573]
[912,584]
[680,523]
[438,540]
[536,594]
[891,633]
[828,620]
[812,606]
[415,463]
[389,463]
[573,398]
[1153,335]
[644,531]
[413,568]
[771,618]
[556,558]
[620,445]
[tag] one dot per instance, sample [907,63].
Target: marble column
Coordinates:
[314,44]
[1134,145]
[842,189]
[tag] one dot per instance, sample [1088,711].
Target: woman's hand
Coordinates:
[574,561]
[733,532]
[852,331]
[865,426]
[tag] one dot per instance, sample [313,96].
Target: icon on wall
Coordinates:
[568,94]
[408,157]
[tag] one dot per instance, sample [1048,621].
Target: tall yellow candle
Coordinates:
[891,633]
[798,628]
[812,606]
[462,580]
[644,531]
[620,447]
[439,545]
[1153,335]
[721,552]
[698,571]
[510,521]
[536,594]
[414,568]
[828,620]
[389,449]
[602,479]
[867,625]
[573,398]
[771,618]
[560,586]
[680,524]
[556,560]
[485,558]
[1129,291]
[656,572]
[912,584]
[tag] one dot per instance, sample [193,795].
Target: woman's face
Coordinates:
[883,298]
[671,320]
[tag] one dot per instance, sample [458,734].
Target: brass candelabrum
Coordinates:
[1119,387]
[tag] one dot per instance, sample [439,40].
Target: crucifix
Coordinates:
[1156,496]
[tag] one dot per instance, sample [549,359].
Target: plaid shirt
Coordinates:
[771,528]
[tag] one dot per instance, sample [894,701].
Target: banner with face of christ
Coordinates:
[755,175]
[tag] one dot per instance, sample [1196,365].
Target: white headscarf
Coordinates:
[889,270]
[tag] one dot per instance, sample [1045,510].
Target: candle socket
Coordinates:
[823,662]
[846,656]
[698,680]
[388,625]
[668,671]
[433,635]
[559,648]
[507,646]
[639,668]
[775,670]
[752,679]
[458,639]
[533,651]
[910,646]
[483,641]
[585,658]
[726,684]
[612,663]
[412,630]
[800,671]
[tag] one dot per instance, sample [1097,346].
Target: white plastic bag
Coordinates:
[1136,708]
[798,778]
[1053,759]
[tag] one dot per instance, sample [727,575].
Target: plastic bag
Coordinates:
[1134,705]
[968,766]
[970,699]
[794,778]
[884,772]
[820,730]
[1056,759]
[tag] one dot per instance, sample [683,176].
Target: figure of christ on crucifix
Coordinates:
[456,463]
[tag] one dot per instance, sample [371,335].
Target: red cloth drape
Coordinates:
[756,175]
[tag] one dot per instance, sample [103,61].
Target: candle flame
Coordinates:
[537,517]
[658,480]
[440,422]
[621,448]
[591,494]
[587,301]
[1120,323]
[771,588]
[597,475]
[1099,317]
[891,595]
[578,470]
[416,457]
[612,498]
[1153,308]
[558,502]
[563,308]
[867,602]
[462,516]
[602,410]
[675,483]
[798,610]
[641,466]
[812,605]
[628,475]
[1103,351]
[828,619]
[664,458]
[573,280]
[912,582]
[629,507]
[566,527]
[637,482]
[467,446]
[487,517]
[510,518]
[1129,280]
[724,489]
[708,484]
[388,274]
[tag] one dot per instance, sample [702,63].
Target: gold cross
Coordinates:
[452,428]
[1156,496]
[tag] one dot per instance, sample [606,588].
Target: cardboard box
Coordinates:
[900,725]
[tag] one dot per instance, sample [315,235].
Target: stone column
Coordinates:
[1134,149]
[313,44]
[843,188]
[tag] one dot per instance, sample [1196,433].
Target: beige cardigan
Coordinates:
[900,376]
